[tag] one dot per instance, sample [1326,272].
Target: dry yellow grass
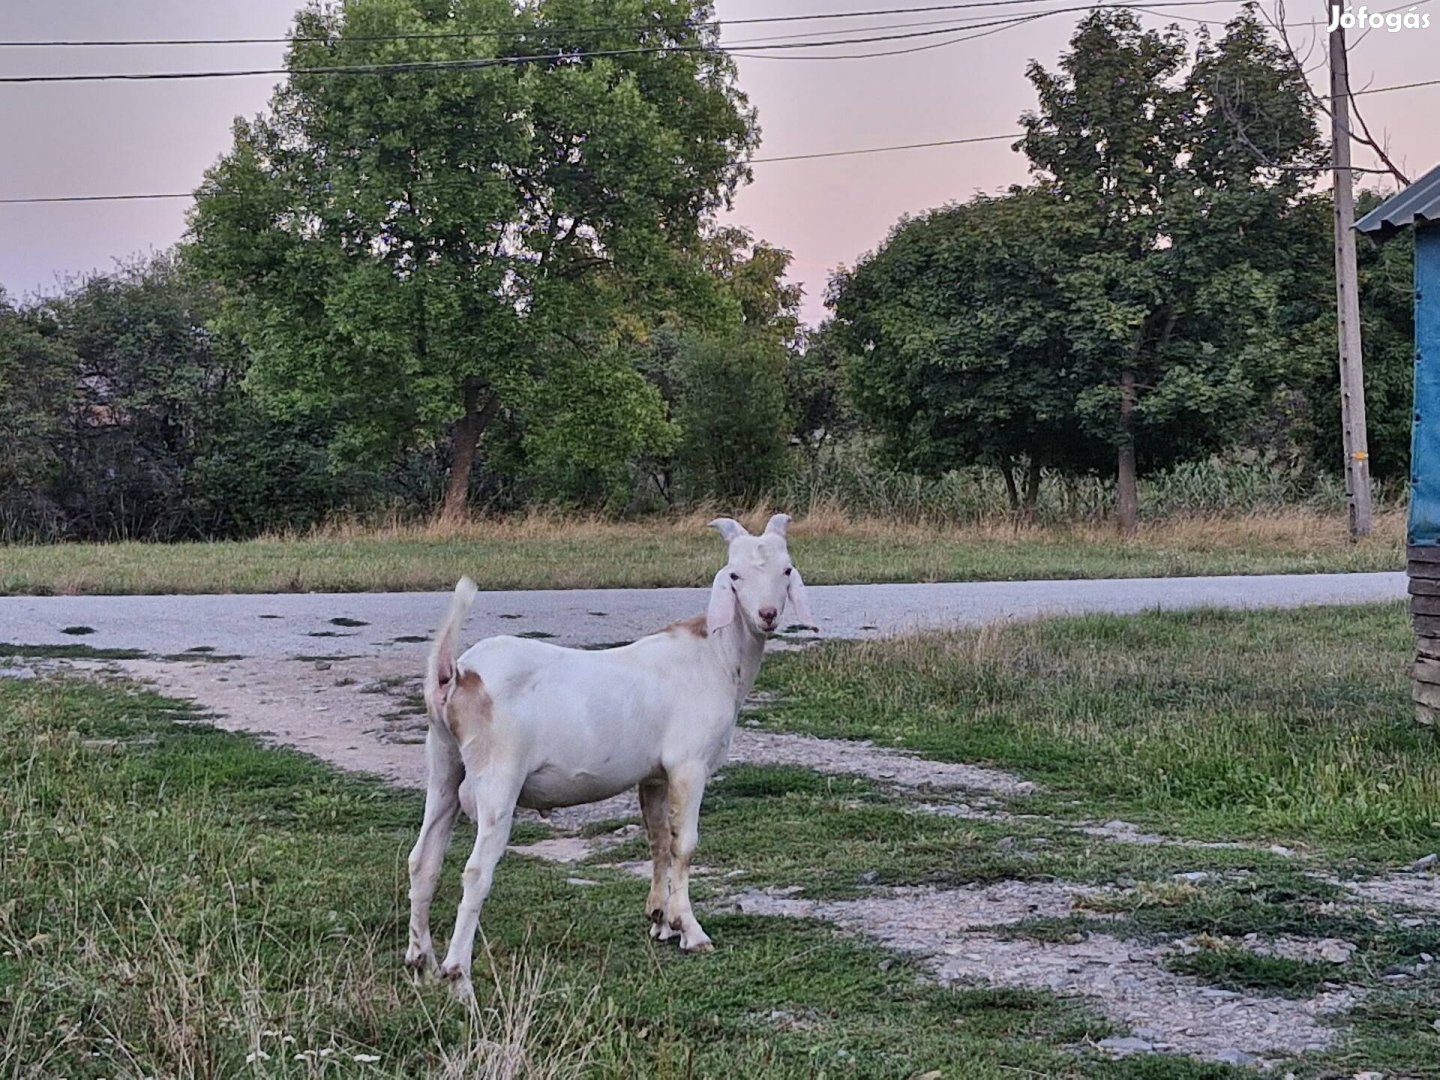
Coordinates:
[548,550]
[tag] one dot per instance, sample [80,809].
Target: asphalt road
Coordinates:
[320,624]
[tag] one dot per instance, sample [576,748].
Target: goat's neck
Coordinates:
[738,650]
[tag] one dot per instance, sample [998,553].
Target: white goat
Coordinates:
[520,722]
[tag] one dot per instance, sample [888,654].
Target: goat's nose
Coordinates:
[768,615]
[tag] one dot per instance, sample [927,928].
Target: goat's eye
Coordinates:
[734,576]
[787,570]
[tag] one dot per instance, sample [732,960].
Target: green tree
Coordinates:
[722,373]
[820,408]
[1387,317]
[957,333]
[411,252]
[731,413]
[125,415]
[38,392]
[1175,185]
[136,408]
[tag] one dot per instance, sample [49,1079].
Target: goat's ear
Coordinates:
[729,528]
[796,592]
[778,524]
[721,611]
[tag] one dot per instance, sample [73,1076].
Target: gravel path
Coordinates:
[301,624]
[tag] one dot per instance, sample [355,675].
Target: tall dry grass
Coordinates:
[1298,526]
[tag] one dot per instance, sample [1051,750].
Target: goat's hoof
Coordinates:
[660,931]
[421,963]
[458,980]
[696,942]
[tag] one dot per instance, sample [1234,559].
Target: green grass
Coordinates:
[1292,727]
[202,654]
[179,899]
[1235,968]
[835,837]
[546,553]
[71,652]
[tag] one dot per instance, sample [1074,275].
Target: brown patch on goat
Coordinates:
[471,707]
[694,625]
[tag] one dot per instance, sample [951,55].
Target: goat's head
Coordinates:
[757,579]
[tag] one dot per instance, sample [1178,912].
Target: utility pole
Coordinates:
[1347,295]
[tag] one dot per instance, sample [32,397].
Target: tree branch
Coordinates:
[1366,140]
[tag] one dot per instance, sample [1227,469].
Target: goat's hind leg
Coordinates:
[442,805]
[655,809]
[495,794]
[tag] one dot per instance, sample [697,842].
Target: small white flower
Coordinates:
[327,1051]
[258,1055]
[367,1059]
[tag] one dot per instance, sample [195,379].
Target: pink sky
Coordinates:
[103,138]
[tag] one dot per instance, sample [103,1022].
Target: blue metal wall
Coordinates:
[1425,439]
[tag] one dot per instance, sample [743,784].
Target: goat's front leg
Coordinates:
[442,804]
[687,788]
[495,795]
[655,809]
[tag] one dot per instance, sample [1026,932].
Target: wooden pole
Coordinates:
[1347,295]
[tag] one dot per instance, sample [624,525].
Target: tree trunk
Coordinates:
[1007,470]
[464,441]
[1127,497]
[1032,491]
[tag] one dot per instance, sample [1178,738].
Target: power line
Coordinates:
[886,149]
[96,198]
[481,63]
[998,26]
[1398,86]
[39,199]
[1303,22]
[753,161]
[516,32]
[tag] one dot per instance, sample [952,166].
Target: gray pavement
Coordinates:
[323,624]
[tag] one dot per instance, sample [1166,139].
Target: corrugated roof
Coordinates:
[1418,203]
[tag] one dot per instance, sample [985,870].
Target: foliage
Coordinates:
[822,414]
[1174,192]
[724,377]
[958,335]
[116,376]
[1387,316]
[587,422]
[37,383]
[1132,300]
[731,410]
[411,250]
[126,416]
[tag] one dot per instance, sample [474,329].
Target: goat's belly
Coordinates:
[551,787]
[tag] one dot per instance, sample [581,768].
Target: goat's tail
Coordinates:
[440,670]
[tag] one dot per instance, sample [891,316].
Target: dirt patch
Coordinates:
[359,713]
[1417,891]
[862,757]
[949,931]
